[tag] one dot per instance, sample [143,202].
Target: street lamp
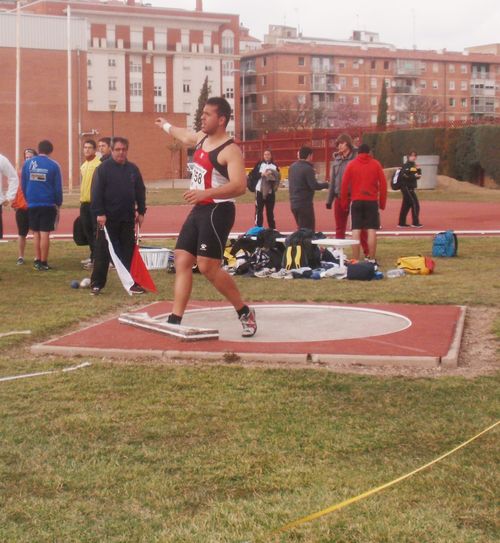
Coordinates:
[243,72]
[112,108]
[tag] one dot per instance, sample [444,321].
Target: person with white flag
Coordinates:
[118,202]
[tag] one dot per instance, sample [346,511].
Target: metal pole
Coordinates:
[112,124]
[243,121]
[70,106]
[18,79]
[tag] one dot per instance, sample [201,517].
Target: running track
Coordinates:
[436,216]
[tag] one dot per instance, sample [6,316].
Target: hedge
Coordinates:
[465,153]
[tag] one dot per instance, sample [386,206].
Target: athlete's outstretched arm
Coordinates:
[186,136]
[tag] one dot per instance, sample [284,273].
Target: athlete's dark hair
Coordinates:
[105,140]
[304,152]
[119,139]
[364,148]
[223,107]
[91,142]
[45,147]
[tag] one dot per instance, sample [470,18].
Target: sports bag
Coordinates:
[396,180]
[361,271]
[79,235]
[300,251]
[445,244]
[416,265]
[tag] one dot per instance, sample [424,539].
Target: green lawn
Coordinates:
[140,451]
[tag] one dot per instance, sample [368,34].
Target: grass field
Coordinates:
[139,451]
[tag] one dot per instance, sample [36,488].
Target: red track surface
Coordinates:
[434,216]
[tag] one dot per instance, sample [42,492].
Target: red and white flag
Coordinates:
[121,270]
[139,272]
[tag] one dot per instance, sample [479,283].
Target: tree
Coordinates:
[420,110]
[287,115]
[382,108]
[202,100]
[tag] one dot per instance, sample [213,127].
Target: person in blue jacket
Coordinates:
[42,188]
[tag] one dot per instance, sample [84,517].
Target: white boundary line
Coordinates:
[38,374]
[15,333]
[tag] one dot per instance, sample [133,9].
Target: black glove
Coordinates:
[328,206]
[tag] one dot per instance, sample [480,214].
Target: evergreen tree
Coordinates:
[382,108]
[204,94]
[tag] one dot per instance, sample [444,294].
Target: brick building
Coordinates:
[129,62]
[292,76]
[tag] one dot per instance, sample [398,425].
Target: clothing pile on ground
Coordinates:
[264,252]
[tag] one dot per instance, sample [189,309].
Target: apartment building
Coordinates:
[342,82]
[130,61]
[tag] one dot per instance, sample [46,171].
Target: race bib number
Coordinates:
[198,178]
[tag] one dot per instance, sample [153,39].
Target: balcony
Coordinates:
[408,69]
[405,89]
[325,87]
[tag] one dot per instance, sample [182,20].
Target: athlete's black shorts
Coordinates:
[43,218]
[365,215]
[22,221]
[206,229]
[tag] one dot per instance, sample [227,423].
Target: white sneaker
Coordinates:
[249,323]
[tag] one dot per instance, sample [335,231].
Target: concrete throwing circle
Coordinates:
[288,323]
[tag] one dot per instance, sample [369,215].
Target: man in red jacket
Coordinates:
[364,179]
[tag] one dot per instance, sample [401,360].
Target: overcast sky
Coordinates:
[430,24]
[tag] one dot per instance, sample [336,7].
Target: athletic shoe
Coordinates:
[95,291]
[88,265]
[85,261]
[37,265]
[249,323]
[417,225]
[403,226]
[45,267]
[136,289]
[20,261]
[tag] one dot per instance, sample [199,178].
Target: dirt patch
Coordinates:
[449,183]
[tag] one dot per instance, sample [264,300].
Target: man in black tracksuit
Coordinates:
[410,173]
[118,202]
[302,184]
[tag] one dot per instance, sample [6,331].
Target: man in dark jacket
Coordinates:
[302,184]
[118,202]
[410,173]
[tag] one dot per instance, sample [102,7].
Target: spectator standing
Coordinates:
[104,148]
[302,184]
[87,170]
[266,175]
[365,181]
[6,198]
[118,202]
[345,153]
[42,188]
[410,173]
[218,177]
[22,217]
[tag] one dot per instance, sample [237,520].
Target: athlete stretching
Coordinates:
[218,176]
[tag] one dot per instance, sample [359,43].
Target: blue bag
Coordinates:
[445,244]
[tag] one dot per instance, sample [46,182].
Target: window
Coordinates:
[302,79]
[451,118]
[373,64]
[387,83]
[451,85]
[186,87]
[89,62]
[463,102]
[263,80]
[373,118]
[343,82]
[355,82]
[463,85]
[302,61]
[264,61]
[373,100]
[208,68]
[423,84]
[342,99]
[160,39]
[355,64]
[463,68]
[341,64]
[264,99]
[435,118]
[386,64]
[452,102]
[89,84]
[160,108]
[301,99]
[435,84]
[451,68]
[229,92]
[373,82]
[136,38]
[135,65]
[435,67]
[136,88]
[112,85]
[227,67]
[355,100]
[157,90]
[423,67]
[111,62]
[227,42]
